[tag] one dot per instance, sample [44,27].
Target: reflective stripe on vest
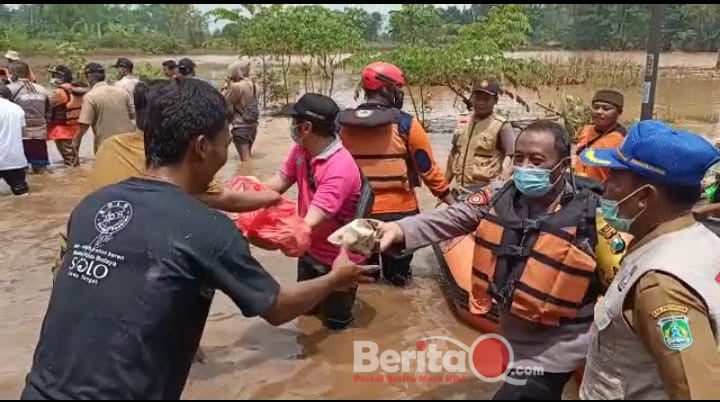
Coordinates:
[380,150]
[553,283]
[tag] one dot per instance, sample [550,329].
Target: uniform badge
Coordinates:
[479,199]
[669,308]
[676,332]
[363,113]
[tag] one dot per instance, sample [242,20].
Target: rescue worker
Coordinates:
[394,153]
[656,330]
[65,103]
[536,240]
[604,132]
[483,143]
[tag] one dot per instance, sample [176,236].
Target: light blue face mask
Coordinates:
[611,212]
[533,182]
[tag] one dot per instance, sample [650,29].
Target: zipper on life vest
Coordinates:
[467,149]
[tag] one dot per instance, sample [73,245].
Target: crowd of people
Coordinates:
[149,265]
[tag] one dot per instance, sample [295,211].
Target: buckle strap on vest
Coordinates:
[528,225]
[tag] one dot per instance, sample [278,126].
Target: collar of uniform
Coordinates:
[677,224]
[330,150]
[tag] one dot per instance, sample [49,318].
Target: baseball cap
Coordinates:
[94,68]
[123,62]
[186,65]
[659,152]
[314,107]
[487,85]
[62,71]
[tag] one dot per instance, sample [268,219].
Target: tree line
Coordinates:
[173,28]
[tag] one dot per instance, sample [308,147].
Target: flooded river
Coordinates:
[248,358]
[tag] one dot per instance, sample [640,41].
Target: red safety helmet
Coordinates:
[379,75]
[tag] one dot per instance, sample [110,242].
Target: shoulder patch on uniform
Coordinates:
[480,198]
[676,332]
[667,308]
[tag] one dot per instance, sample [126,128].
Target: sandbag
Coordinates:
[278,227]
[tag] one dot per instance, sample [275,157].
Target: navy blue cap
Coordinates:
[659,152]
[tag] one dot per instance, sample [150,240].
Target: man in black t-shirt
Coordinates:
[129,303]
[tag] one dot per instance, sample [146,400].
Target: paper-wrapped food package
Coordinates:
[359,236]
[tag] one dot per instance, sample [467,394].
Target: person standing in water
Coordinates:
[106,108]
[329,185]
[33,98]
[129,304]
[394,153]
[66,100]
[126,79]
[13,164]
[241,96]
[657,329]
[483,144]
[604,132]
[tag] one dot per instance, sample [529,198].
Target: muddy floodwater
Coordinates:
[247,358]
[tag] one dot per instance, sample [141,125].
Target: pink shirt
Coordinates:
[337,182]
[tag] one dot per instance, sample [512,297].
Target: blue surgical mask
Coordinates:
[532,182]
[611,212]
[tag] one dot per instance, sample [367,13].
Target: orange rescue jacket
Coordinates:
[590,138]
[68,112]
[541,270]
[376,140]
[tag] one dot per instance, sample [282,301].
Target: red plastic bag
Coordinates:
[276,227]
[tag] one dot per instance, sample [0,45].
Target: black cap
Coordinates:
[487,85]
[123,62]
[186,65]
[314,107]
[94,68]
[62,71]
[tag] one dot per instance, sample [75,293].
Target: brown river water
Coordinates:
[247,358]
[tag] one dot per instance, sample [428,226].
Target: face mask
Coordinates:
[55,82]
[611,211]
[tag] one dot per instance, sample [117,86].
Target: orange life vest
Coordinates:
[67,113]
[540,270]
[377,139]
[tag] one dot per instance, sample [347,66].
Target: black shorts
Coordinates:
[16,179]
[244,135]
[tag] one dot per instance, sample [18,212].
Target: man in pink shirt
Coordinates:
[329,185]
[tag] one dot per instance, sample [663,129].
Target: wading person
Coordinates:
[13,164]
[241,96]
[65,103]
[329,184]
[33,99]
[535,248]
[394,152]
[134,292]
[656,330]
[108,109]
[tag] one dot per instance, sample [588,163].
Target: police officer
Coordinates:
[655,333]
